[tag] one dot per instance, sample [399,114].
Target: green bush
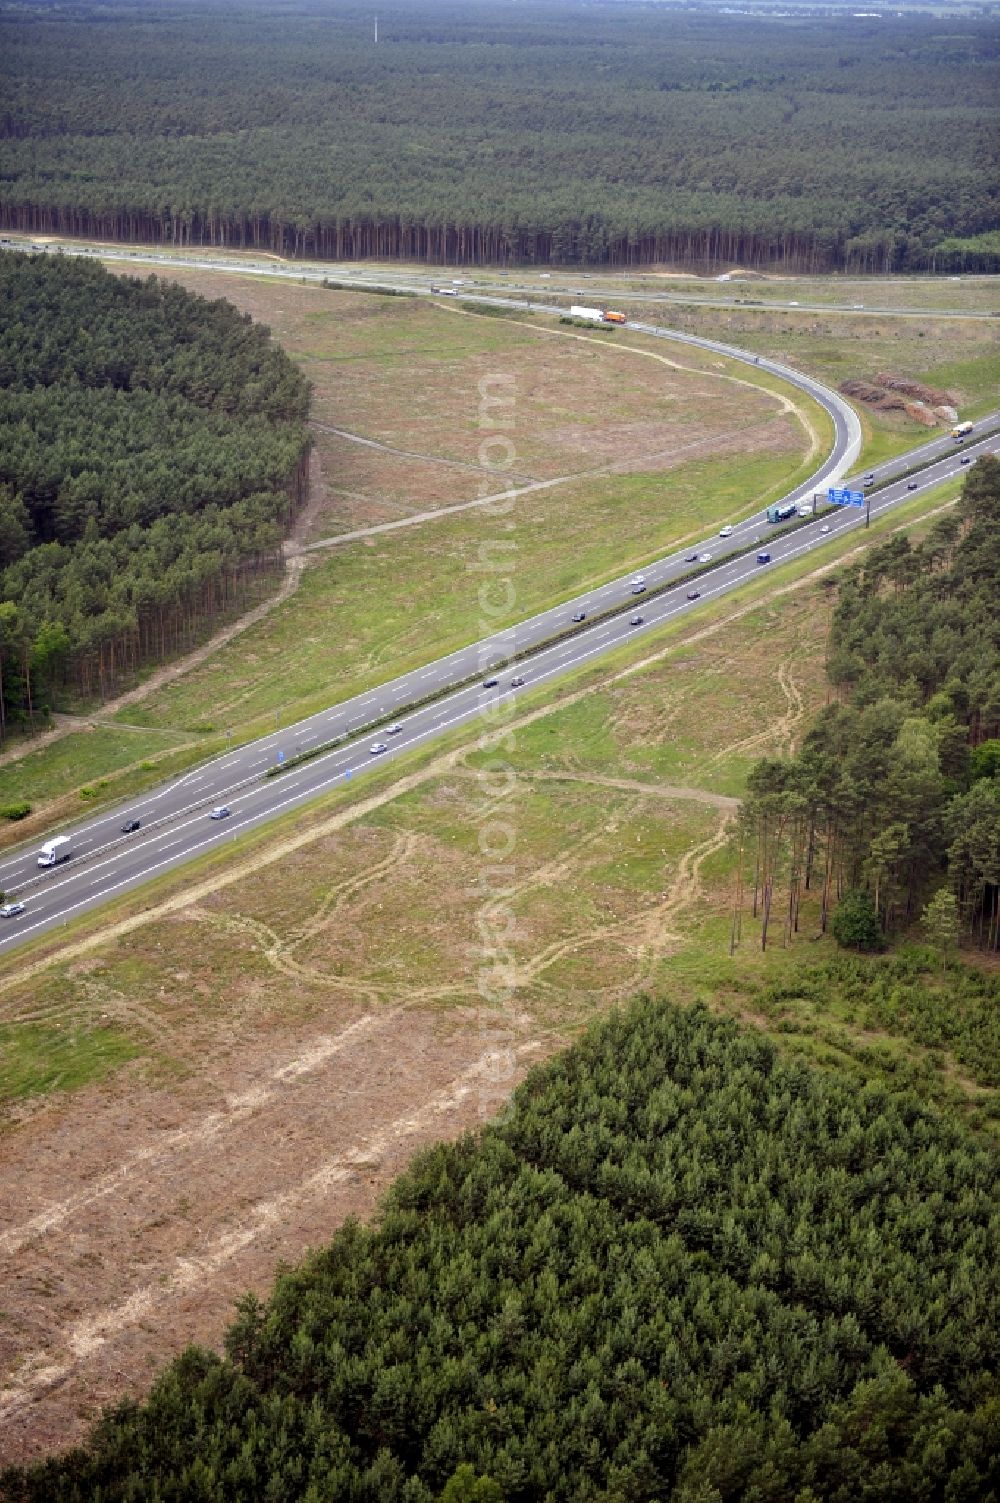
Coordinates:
[855,924]
[15,811]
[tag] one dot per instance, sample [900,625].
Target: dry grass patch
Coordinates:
[410,375]
[300,1031]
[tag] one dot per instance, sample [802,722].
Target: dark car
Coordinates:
[965,459]
[130,826]
[516,683]
[636,621]
[694,594]
[490,683]
[911,485]
[691,558]
[580,616]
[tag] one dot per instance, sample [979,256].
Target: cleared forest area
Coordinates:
[314,1008]
[632,451]
[481,134]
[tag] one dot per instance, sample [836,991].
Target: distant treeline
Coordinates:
[543,134]
[682,1270]
[152,454]
[896,788]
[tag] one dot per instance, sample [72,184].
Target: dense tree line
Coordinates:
[897,783]
[682,1269]
[152,452]
[558,133]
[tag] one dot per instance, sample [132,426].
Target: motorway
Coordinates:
[413,279]
[175,823]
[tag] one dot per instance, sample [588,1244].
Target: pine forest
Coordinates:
[479,133]
[152,454]
[682,1268]
[897,784]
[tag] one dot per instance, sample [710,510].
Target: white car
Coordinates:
[11,910]
[393,730]
[704,558]
[825,527]
[725,532]
[639,579]
[805,511]
[377,748]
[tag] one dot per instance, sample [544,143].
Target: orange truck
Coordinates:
[599,315]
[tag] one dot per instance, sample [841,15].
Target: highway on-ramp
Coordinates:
[467,685]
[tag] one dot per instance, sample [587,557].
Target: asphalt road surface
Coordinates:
[588,287]
[175,822]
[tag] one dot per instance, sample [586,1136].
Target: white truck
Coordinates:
[54,851]
[579,312]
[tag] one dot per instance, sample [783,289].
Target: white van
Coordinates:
[54,851]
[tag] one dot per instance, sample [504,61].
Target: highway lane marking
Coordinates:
[557,665]
[600,643]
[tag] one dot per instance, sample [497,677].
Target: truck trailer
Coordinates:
[961,430]
[781,513]
[598,315]
[54,851]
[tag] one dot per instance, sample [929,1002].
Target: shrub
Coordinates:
[855,924]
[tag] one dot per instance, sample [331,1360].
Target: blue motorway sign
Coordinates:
[839,495]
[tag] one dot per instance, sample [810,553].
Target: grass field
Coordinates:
[653,455]
[411,376]
[948,354]
[254,1054]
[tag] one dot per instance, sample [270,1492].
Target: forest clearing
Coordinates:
[317,1015]
[577,531]
[669,446]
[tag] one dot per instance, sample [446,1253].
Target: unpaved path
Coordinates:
[383,448]
[107,1283]
[294,564]
[638,785]
[514,491]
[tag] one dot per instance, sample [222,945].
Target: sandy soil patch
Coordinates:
[134,1220]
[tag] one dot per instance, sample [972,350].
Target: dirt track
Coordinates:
[108,1282]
